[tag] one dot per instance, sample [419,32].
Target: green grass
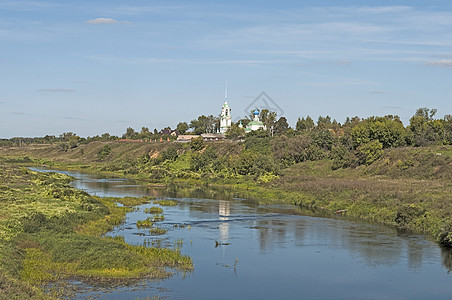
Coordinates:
[153,210]
[166,202]
[50,231]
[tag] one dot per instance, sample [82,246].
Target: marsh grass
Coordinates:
[148,223]
[166,202]
[157,231]
[153,210]
[50,231]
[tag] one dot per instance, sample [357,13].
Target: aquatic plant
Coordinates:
[157,231]
[153,210]
[166,202]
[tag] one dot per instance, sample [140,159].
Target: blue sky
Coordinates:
[101,66]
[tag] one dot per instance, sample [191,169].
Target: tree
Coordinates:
[305,124]
[388,130]
[426,130]
[426,113]
[324,122]
[369,152]
[104,152]
[234,132]
[197,144]
[130,133]
[268,117]
[281,126]
[205,124]
[182,127]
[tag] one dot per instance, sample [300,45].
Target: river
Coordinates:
[242,250]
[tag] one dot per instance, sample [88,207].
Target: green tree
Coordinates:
[104,152]
[324,122]
[205,124]
[268,117]
[182,127]
[197,144]
[388,130]
[130,133]
[369,152]
[234,132]
[281,126]
[305,124]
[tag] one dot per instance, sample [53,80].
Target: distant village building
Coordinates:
[255,124]
[186,137]
[169,131]
[225,117]
[213,136]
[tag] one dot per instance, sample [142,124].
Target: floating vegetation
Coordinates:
[145,223]
[166,202]
[149,221]
[182,226]
[157,231]
[158,218]
[153,210]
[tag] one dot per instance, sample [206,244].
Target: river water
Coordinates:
[242,250]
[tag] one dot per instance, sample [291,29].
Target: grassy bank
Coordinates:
[50,231]
[406,187]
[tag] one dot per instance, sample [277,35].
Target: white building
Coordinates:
[225,117]
[255,124]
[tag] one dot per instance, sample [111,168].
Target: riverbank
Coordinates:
[50,231]
[407,187]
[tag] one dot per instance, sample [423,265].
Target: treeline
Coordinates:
[262,154]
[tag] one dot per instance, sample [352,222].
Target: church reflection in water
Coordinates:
[224,211]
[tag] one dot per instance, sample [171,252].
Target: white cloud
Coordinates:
[446,63]
[57,90]
[102,21]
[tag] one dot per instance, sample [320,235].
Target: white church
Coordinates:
[226,118]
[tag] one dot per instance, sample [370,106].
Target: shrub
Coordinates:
[104,152]
[369,152]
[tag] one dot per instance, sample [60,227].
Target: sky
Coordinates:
[94,66]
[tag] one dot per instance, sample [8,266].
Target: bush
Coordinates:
[197,144]
[104,152]
[369,152]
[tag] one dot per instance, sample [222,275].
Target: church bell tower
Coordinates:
[225,117]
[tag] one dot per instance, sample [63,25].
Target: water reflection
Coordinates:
[224,210]
[283,252]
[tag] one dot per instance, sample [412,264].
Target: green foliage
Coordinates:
[322,138]
[388,130]
[104,152]
[369,152]
[166,202]
[342,157]
[304,125]
[427,131]
[205,124]
[170,154]
[281,126]
[130,133]
[153,210]
[197,144]
[204,161]
[182,127]
[258,141]
[235,132]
